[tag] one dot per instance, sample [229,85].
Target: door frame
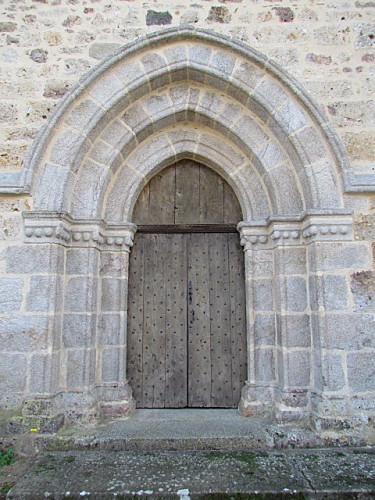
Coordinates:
[219,228]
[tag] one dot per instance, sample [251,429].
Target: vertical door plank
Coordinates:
[141,208]
[135,319]
[237,316]
[175,278]
[220,321]
[154,324]
[187,193]
[211,197]
[150,261]
[159,317]
[162,197]
[199,321]
[232,209]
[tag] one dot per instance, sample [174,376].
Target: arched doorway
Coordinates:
[186,313]
[177,95]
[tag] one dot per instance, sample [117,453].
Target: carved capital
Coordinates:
[269,234]
[253,235]
[289,231]
[57,228]
[327,228]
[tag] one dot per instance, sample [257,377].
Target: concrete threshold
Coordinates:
[191,429]
[196,454]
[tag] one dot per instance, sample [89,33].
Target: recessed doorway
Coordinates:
[186,314]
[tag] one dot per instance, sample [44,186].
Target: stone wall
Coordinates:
[46,46]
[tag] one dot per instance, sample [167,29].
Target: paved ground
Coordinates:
[191,453]
[332,473]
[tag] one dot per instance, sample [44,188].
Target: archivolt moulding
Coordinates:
[194,57]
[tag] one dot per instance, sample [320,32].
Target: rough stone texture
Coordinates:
[333,372]
[101,50]
[113,293]
[39,55]
[265,365]
[80,295]
[10,294]
[110,364]
[252,22]
[329,292]
[285,14]
[81,261]
[363,290]
[6,27]
[336,256]
[293,295]
[78,330]
[166,473]
[295,330]
[365,226]
[263,295]
[265,329]
[298,369]
[13,372]
[45,294]
[33,259]
[109,329]
[113,264]
[361,371]
[158,18]
[291,260]
[246,123]
[24,333]
[219,15]
[348,331]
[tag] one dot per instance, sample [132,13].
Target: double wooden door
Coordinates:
[186,311]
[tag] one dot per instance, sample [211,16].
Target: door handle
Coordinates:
[190,292]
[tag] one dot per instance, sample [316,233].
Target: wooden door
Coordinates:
[186,314]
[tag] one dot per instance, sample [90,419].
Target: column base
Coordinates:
[113,409]
[257,402]
[332,413]
[115,401]
[38,416]
[293,406]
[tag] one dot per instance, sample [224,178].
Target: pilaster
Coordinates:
[91,339]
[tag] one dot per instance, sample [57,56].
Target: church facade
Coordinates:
[192,224]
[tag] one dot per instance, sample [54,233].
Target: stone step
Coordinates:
[292,473]
[189,430]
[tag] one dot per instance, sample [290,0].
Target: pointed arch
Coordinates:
[173,79]
[190,94]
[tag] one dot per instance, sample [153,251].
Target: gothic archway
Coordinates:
[189,94]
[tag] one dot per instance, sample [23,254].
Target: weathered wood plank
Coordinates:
[142,206]
[187,228]
[232,208]
[199,321]
[176,321]
[135,318]
[221,382]
[162,196]
[159,320]
[187,192]
[184,193]
[237,316]
[211,196]
[150,261]
[154,324]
